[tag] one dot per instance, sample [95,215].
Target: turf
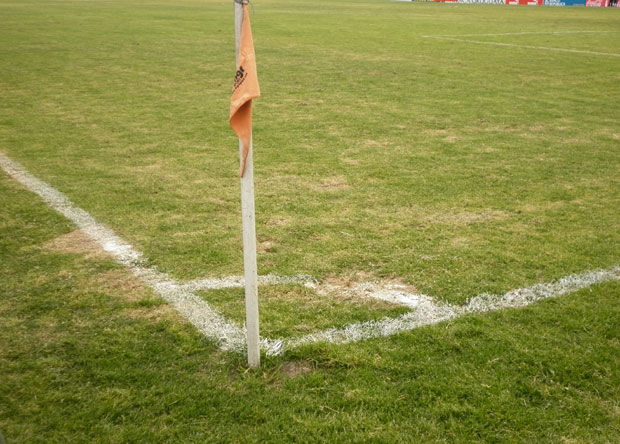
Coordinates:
[88,355]
[454,167]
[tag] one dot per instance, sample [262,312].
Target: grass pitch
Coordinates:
[457,168]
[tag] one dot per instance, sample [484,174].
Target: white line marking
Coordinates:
[512,45]
[522,297]
[425,309]
[518,33]
[214,326]
[239,282]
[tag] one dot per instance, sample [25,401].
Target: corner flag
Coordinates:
[245,88]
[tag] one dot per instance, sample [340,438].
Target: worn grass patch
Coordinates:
[76,242]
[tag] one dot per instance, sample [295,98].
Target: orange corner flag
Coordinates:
[245,88]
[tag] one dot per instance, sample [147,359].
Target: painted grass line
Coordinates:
[239,281]
[427,311]
[214,326]
[518,33]
[522,297]
[544,48]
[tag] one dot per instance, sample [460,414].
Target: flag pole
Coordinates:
[249,228]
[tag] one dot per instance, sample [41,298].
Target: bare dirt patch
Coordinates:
[267,246]
[349,280]
[350,161]
[466,217]
[332,184]
[436,132]
[119,282]
[159,313]
[291,369]
[542,206]
[460,241]
[278,221]
[375,143]
[76,242]
[353,280]
[217,201]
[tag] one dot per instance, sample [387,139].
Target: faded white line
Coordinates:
[513,45]
[210,323]
[428,312]
[239,282]
[519,33]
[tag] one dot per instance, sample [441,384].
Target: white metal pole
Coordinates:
[249,232]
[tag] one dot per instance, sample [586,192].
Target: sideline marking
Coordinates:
[428,311]
[228,336]
[545,48]
[518,33]
[210,323]
[238,281]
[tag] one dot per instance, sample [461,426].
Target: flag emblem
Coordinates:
[245,88]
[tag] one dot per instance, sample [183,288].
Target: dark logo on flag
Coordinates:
[240,77]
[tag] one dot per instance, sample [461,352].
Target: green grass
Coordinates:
[456,168]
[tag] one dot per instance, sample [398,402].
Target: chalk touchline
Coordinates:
[546,48]
[519,33]
[458,38]
[425,310]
